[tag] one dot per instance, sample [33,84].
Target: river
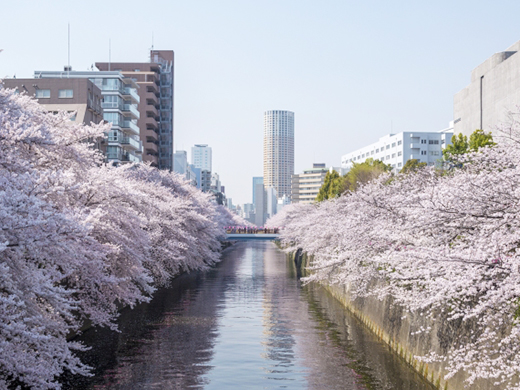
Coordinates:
[248,323]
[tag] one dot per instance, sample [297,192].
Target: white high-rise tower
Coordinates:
[279,151]
[201,157]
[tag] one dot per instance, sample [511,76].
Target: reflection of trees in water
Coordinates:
[165,344]
[350,344]
[308,339]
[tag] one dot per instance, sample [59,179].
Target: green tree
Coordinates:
[479,139]
[412,166]
[363,173]
[330,187]
[460,144]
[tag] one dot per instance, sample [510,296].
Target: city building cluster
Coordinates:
[137,99]
[199,172]
[494,92]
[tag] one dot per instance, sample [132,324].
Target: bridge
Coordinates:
[252,236]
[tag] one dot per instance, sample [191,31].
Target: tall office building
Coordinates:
[201,157]
[180,162]
[279,151]
[256,180]
[155,81]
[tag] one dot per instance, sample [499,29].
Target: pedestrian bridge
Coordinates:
[251,236]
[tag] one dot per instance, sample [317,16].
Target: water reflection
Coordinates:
[247,324]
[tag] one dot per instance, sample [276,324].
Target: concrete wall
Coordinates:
[493,92]
[394,326]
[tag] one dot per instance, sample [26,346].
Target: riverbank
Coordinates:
[403,334]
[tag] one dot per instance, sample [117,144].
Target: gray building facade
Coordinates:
[64,94]
[493,92]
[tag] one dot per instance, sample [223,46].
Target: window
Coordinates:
[399,142]
[377,150]
[434,153]
[399,164]
[393,155]
[372,152]
[388,157]
[113,117]
[423,141]
[393,145]
[399,153]
[434,142]
[388,146]
[43,93]
[423,152]
[65,93]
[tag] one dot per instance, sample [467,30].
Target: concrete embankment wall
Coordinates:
[394,326]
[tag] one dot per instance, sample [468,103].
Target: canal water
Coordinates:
[246,324]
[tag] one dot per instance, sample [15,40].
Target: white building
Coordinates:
[397,149]
[201,157]
[279,150]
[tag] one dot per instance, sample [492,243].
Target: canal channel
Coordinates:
[248,323]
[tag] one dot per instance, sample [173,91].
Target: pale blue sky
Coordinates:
[349,70]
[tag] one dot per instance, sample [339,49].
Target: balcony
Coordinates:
[132,109]
[415,146]
[132,92]
[131,126]
[150,87]
[151,135]
[129,157]
[152,110]
[130,143]
[151,122]
[94,106]
[151,147]
[150,97]
[115,155]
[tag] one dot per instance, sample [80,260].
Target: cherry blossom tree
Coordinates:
[442,244]
[79,239]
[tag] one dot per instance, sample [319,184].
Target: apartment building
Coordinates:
[306,186]
[279,150]
[80,96]
[120,100]
[155,80]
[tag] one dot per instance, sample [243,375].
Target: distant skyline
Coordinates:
[350,71]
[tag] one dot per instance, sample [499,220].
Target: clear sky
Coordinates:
[352,71]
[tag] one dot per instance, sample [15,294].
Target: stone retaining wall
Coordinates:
[394,327]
